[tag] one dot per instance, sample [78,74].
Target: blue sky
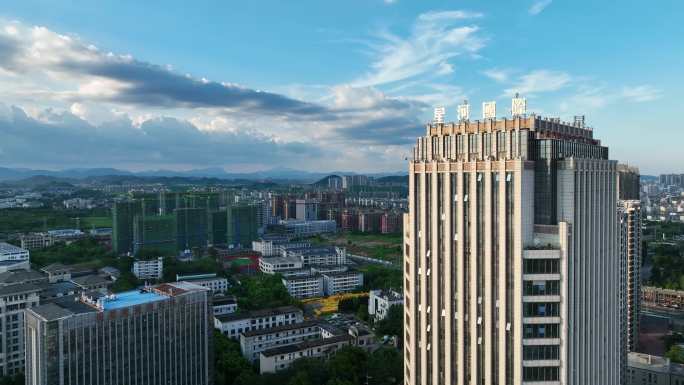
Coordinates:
[322,85]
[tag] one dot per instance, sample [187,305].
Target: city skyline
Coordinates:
[130,86]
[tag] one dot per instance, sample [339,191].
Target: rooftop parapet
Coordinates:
[547,128]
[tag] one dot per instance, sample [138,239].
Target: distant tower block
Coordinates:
[518,105]
[439,115]
[464,111]
[489,110]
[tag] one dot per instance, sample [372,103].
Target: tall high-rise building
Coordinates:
[512,256]
[160,335]
[155,233]
[242,225]
[191,228]
[629,207]
[123,217]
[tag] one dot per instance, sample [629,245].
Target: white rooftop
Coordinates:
[7,249]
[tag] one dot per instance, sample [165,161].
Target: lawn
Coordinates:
[381,246]
[90,222]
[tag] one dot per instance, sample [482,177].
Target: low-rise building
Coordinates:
[280,358]
[211,281]
[253,342]
[67,234]
[13,258]
[647,369]
[149,269]
[304,286]
[33,241]
[267,245]
[93,282]
[109,272]
[342,282]
[321,255]
[328,269]
[302,229]
[226,304]
[380,301]
[78,203]
[282,248]
[233,324]
[57,272]
[22,276]
[274,265]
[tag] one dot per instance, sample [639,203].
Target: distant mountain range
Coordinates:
[11,174]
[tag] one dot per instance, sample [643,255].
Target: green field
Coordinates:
[42,219]
[90,222]
[381,246]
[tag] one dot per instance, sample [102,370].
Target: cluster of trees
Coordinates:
[356,305]
[349,366]
[673,351]
[85,250]
[393,324]
[173,267]
[381,277]
[261,291]
[17,379]
[24,220]
[667,266]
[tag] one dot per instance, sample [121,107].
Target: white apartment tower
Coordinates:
[512,256]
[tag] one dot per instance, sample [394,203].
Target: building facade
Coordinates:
[211,281]
[254,342]
[512,260]
[159,336]
[13,258]
[280,358]
[380,301]
[224,305]
[233,324]
[34,241]
[14,299]
[629,209]
[304,286]
[630,221]
[149,269]
[342,282]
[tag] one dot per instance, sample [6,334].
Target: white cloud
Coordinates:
[63,82]
[538,7]
[591,97]
[539,81]
[497,74]
[436,38]
[642,93]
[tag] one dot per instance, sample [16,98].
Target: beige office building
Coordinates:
[512,256]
